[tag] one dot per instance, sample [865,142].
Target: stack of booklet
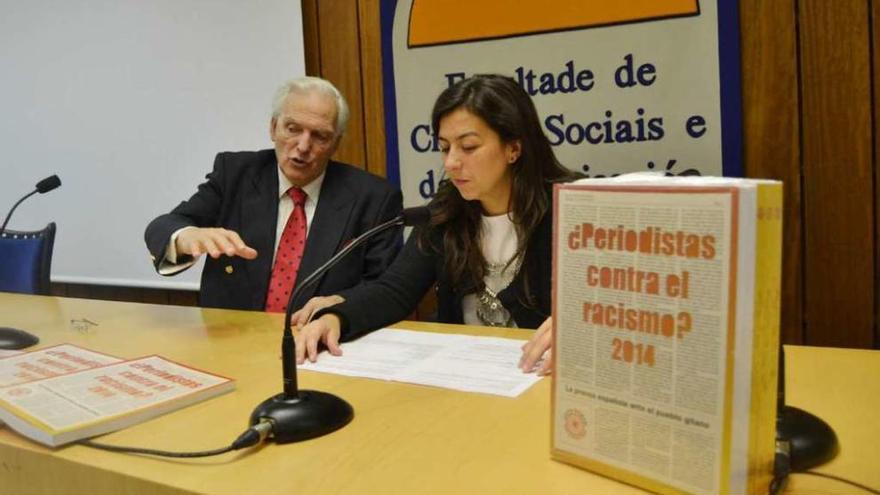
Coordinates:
[666,312]
[65,393]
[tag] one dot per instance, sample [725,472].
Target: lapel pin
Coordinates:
[229,269]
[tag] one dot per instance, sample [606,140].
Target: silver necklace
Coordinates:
[490,311]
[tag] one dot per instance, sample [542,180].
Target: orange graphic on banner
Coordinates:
[439,22]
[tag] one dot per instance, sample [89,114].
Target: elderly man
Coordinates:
[269,218]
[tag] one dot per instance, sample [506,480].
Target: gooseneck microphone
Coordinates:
[42,187]
[302,414]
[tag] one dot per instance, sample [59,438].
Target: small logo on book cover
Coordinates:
[575,424]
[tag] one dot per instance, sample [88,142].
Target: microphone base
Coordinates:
[311,414]
[812,441]
[15,339]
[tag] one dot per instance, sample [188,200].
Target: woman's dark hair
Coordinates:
[507,109]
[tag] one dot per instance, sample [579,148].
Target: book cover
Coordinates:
[666,331]
[65,408]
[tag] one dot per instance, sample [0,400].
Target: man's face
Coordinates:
[304,133]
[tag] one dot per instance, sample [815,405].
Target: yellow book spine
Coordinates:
[768,269]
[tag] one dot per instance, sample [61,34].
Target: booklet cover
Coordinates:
[60,409]
[666,313]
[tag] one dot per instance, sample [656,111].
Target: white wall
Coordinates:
[128,101]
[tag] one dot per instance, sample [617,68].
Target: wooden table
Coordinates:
[404,438]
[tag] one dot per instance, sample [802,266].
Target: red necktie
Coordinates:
[290,251]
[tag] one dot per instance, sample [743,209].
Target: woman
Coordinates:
[488,244]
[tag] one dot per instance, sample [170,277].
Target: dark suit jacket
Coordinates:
[241,194]
[396,294]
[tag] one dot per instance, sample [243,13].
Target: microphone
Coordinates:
[44,186]
[48,184]
[302,414]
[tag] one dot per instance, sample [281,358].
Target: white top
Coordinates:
[170,266]
[498,241]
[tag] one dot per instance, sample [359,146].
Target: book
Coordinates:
[666,330]
[60,409]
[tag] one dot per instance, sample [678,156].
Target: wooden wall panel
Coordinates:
[374,101]
[875,86]
[129,294]
[340,52]
[311,37]
[771,130]
[837,146]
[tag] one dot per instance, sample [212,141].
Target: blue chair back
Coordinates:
[26,260]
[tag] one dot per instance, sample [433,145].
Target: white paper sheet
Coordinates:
[459,362]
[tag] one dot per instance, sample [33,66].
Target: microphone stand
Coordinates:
[302,414]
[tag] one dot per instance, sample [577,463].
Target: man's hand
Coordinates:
[536,347]
[304,315]
[325,330]
[214,242]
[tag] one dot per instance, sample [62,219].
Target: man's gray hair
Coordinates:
[307,84]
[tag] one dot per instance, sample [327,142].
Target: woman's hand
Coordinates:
[536,348]
[304,315]
[325,330]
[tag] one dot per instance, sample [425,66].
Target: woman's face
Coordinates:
[476,161]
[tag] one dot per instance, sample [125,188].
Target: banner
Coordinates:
[619,86]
